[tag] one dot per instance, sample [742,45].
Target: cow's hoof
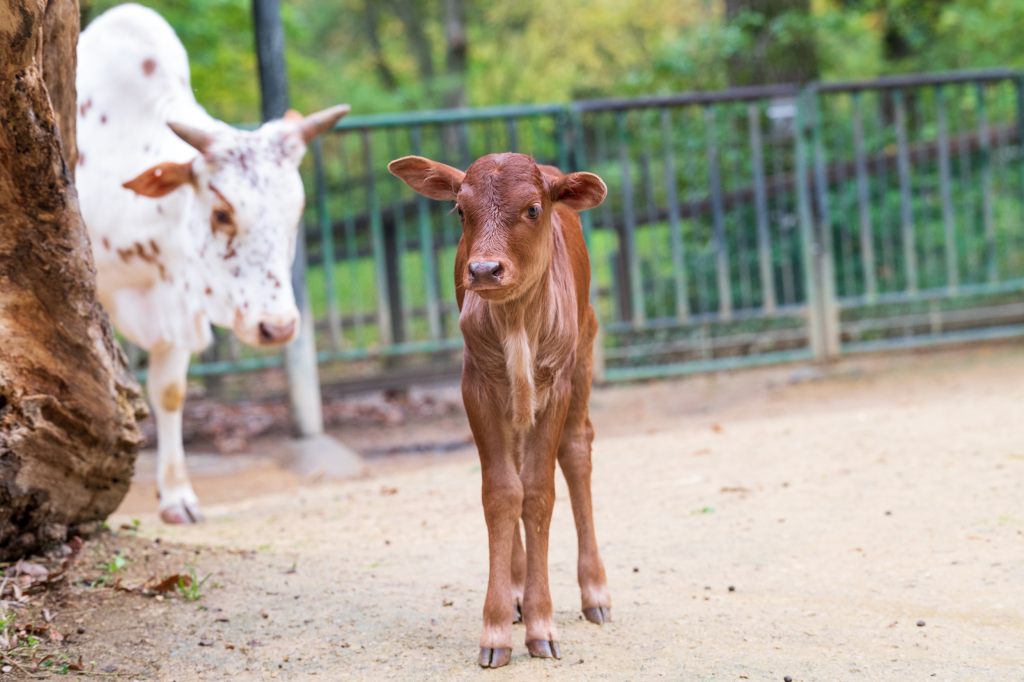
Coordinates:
[543,648]
[181,513]
[598,614]
[494,657]
[517,617]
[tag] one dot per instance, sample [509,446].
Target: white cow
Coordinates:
[188,228]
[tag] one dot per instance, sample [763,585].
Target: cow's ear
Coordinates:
[429,178]
[161,179]
[579,191]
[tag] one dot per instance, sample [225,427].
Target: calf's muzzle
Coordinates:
[485,272]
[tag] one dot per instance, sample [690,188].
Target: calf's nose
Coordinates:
[484,268]
[271,332]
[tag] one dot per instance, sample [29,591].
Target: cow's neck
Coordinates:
[535,336]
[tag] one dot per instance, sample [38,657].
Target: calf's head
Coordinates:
[248,198]
[505,203]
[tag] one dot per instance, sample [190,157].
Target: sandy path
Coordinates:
[843,510]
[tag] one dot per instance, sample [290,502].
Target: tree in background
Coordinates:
[777,45]
[403,55]
[68,405]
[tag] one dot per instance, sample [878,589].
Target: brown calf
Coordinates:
[522,279]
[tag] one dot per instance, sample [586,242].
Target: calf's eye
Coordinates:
[221,217]
[533,212]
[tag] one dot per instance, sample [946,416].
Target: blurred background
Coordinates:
[789,180]
[402,55]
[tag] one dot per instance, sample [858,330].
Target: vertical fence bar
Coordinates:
[512,134]
[427,252]
[384,312]
[1018,84]
[809,242]
[718,216]
[352,252]
[326,245]
[394,250]
[628,243]
[987,211]
[946,191]
[674,224]
[867,244]
[825,255]
[906,201]
[764,239]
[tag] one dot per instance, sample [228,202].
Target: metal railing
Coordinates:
[745,226]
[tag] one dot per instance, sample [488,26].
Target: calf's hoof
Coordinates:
[598,614]
[543,648]
[181,513]
[494,657]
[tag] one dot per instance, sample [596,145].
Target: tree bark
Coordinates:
[456,52]
[371,17]
[68,404]
[768,58]
[408,12]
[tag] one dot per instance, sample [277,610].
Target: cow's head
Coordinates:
[248,202]
[505,203]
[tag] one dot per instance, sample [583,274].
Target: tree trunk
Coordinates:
[68,405]
[456,52]
[772,56]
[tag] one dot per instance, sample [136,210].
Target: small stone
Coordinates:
[787,678]
[636,569]
[732,588]
[920,623]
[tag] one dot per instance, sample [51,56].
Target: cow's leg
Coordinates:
[502,494]
[518,573]
[574,457]
[168,367]
[538,476]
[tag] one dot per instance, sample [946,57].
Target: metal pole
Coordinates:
[300,356]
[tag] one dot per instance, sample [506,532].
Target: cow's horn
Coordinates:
[200,139]
[321,121]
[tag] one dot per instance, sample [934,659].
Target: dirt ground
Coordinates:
[864,522]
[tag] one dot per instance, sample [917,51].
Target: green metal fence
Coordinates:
[742,227]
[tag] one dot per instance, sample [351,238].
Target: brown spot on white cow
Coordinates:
[148,66]
[172,397]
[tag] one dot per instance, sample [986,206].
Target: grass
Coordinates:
[191,589]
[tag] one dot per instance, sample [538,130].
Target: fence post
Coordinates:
[300,356]
[575,153]
[826,257]
[822,308]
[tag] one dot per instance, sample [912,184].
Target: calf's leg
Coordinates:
[574,457]
[165,385]
[538,476]
[518,573]
[502,494]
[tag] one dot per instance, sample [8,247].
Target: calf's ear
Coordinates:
[579,191]
[161,179]
[429,178]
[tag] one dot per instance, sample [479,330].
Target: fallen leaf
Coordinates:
[168,584]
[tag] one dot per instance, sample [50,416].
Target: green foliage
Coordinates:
[536,51]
